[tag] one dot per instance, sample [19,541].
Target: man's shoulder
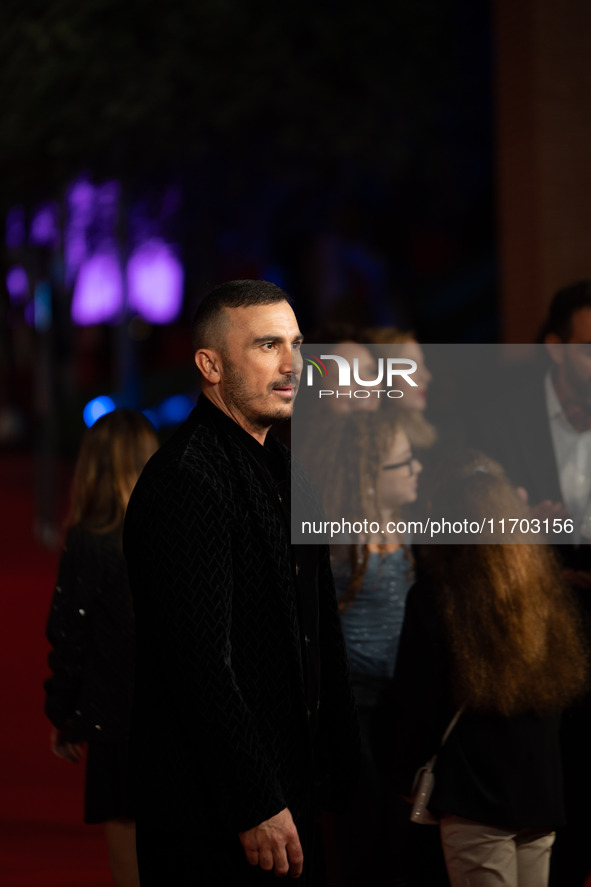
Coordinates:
[191,470]
[194,443]
[194,456]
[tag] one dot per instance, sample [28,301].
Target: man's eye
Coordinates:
[296,346]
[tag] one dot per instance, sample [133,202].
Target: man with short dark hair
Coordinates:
[567,336]
[243,711]
[541,430]
[564,312]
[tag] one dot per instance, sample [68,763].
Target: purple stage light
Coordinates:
[44,227]
[107,196]
[17,284]
[98,294]
[75,252]
[15,227]
[80,199]
[155,280]
[80,202]
[106,208]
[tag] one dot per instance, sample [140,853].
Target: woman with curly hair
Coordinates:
[492,630]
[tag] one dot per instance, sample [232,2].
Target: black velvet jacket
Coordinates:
[91,631]
[223,733]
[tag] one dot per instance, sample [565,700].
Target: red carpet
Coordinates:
[43,841]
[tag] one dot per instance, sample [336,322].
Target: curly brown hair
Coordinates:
[344,460]
[513,630]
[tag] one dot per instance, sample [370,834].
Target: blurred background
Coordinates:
[418,163]
[150,151]
[421,164]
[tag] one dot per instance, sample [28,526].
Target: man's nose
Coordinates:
[291,361]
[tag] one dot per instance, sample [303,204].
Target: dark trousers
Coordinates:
[374,844]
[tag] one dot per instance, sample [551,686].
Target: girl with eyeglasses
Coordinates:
[365,466]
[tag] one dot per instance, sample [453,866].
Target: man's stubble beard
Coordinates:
[237,396]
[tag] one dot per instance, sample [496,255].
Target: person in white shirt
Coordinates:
[567,336]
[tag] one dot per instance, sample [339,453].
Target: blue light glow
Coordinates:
[174,409]
[152,416]
[39,311]
[96,408]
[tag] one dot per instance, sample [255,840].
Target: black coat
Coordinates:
[493,769]
[515,431]
[91,631]
[225,734]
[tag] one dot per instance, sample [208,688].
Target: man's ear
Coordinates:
[554,348]
[208,363]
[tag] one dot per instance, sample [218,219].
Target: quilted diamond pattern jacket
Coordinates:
[221,735]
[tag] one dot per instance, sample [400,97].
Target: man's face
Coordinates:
[573,358]
[261,363]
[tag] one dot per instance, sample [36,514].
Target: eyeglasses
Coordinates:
[411,462]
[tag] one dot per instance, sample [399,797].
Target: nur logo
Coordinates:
[314,363]
[386,369]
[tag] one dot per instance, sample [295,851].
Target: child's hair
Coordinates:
[112,455]
[513,631]
[345,464]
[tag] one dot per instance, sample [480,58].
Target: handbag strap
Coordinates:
[451,725]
